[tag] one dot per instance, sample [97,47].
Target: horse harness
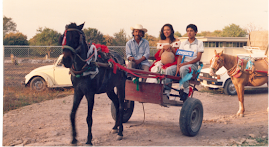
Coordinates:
[87,69]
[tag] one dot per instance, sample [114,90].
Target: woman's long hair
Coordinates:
[172,38]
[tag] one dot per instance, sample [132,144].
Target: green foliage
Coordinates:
[45,37]
[204,33]
[217,33]
[228,31]
[151,39]
[15,39]
[8,25]
[234,30]
[177,34]
[108,40]
[120,38]
[94,35]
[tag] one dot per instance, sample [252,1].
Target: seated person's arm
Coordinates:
[199,55]
[145,55]
[129,53]
[174,49]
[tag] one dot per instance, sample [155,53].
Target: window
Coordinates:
[217,44]
[221,44]
[234,44]
[212,44]
[205,44]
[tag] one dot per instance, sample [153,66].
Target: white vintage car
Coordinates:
[49,76]
[223,80]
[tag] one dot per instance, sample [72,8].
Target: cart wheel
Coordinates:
[191,117]
[127,113]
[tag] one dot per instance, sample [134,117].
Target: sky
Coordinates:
[109,16]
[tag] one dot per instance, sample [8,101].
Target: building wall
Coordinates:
[209,52]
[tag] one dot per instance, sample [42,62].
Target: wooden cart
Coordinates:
[191,114]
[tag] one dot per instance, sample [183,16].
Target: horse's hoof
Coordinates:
[74,141]
[119,137]
[240,115]
[114,131]
[88,145]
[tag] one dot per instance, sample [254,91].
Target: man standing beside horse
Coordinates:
[137,49]
[182,67]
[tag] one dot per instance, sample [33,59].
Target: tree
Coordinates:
[15,39]
[45,37]
[108,40]
[151,39]
[251,27]
[120,38]
[177,34]
[205,34]
[8,25]
[217,33]
[94,35]
[233,30]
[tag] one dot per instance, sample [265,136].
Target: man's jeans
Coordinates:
[131,64]
[184,70]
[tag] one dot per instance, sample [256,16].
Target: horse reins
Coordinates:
[75,51]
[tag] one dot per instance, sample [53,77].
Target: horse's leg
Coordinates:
[77,99]
[121,95]
[240,94]
[114,98]
[118,101]
[90,99]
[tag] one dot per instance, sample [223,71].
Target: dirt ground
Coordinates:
[48,124]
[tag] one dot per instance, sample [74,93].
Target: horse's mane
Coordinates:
[71,25]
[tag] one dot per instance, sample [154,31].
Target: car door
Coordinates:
[62,78]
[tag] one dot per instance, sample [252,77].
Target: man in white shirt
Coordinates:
[182,68]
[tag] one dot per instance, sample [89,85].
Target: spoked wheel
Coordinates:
[127,112]
[191,117]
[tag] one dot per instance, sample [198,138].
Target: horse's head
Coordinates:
[74,45]
[216,63]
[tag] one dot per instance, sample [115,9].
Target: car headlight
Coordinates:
[216,77]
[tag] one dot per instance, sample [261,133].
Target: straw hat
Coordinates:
[139,27]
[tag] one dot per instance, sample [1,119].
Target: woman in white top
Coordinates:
[165,56]
[167,46]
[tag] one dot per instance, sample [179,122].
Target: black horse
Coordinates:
[75,51]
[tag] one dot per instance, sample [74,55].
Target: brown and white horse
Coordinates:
[239,76]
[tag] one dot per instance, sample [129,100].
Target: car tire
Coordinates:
[38,84]
[229,88]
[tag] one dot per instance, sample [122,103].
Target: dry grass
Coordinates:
[16,97]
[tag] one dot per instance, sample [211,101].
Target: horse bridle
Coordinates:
[75,51]
[218,61]
[80,40]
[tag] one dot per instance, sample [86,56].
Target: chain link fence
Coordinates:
[20,60]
